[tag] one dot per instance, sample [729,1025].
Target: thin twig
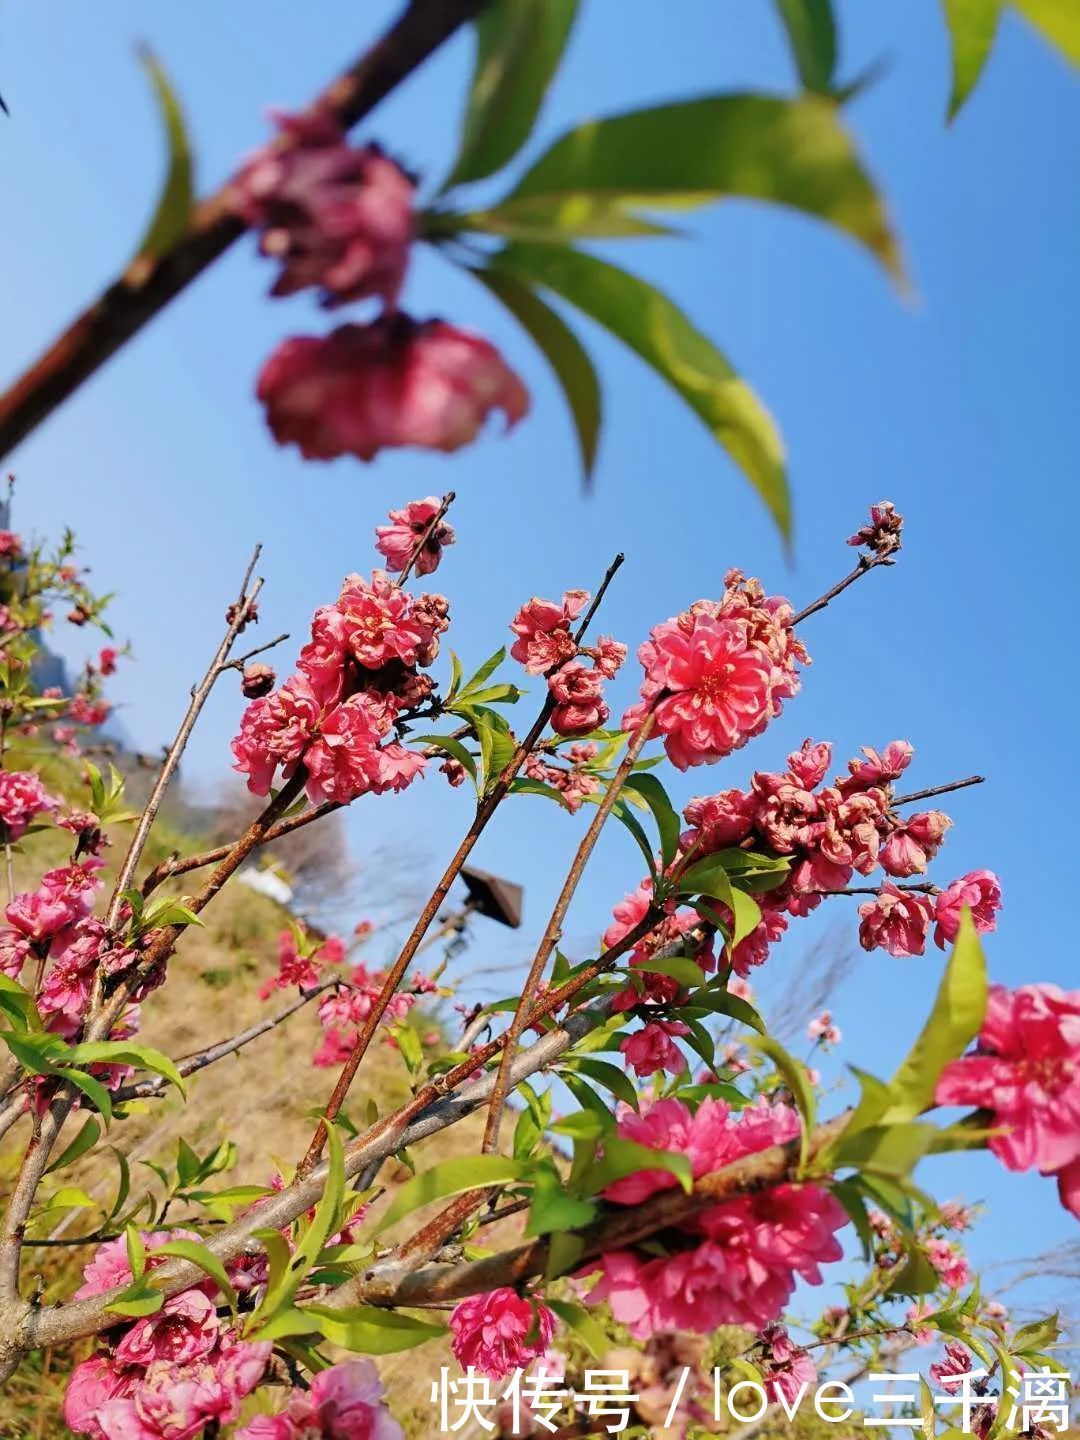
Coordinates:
[865,564]
[242,660]
[922,888]
[938,790]
[150,282]
[199,696]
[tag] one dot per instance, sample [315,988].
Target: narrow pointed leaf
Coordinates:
[452,1177]
[563,351]
[650,324]
[519,45]
[973,26]
[173,210]
[795,153]
[811,30]
[1057,20]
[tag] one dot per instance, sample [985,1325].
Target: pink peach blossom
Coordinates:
[345,1402]
[543,634]
[500,1331]
[393,383]
[980,891]
[397,541]
[22,798]
[896,921]
[653,1048]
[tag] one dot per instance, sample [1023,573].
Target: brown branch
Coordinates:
[866,563]
[199,696]
[922,888]
[489,803]
[242,660]
[938,790]
[150,281]
[190,1064]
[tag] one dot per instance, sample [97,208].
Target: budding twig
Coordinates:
[199,696]
[866,563]
[938,790]
[151,281]
[429,530]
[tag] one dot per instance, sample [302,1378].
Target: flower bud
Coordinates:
[257,680]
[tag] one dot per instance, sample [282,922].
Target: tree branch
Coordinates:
[150,281]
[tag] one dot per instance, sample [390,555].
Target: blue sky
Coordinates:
[959,404]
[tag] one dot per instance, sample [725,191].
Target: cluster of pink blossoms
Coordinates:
[355,678]
[575,782]
[545,645]
[22,798]
[832,832]
[340,218]
[400,541]
[342,1013]
[499,1332]
[716,674]
[301,967]
[344,1402]
[1025,1071]
[741,1257]
[170,1375]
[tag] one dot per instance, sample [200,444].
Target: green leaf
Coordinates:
[584,1325]
[916,1277]
[93,1089]
[86,1139]
[496,744]
[710,877]
[1057,20]
[486,670]
[69,1197]
[206,1260]
[954,1022]
[18,1005]
[723,1002]
[366,1330]
[563,351]
[606,1074]
[890,1150]
[124,1052]
[627,1157]
[452,1177]
[811,30]
[973,26]
[519,45]
[795,153]
[797,1081]
[650,324]
[173,211]
[679,967]
[555,220]
[625,816]
[1036,1335]
[664,813]
[136,1301]
[552,1209]
[453,748]
[136,1251]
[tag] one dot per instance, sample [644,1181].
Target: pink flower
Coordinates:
[578,693]
[921,1334]
[41,914]
[788,1370]
[882,533]
[654,1048]
[980,891]
[1026,1072]
[822,1028]
[878,768]
[743,1271]
[276,730]
[22,797]
[716,688]
[809,764]
[543,631]
[718,821]
[14,948]
[609,656]
[185,1328]
[344,761]
[323,659]
[293,967]
[398,540]
[92,1385]
[1069,1187]
[911,846]
[897,921]
[949,1262]
[958,1362]
[365,388]
[381,621]
[10,545]
[344,1403]
[500,1332]
[338,217]
[107,661]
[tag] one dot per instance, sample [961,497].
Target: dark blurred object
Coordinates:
[489,895]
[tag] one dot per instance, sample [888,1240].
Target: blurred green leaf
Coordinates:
[627,1157]
[563,351]
[811,29]
[519,45]
[584,1325]
[667,820]
[452,1177]
[973,28]
[793,1072]
[86,1139]
[649,323]
[1057,20]
[795,153]
[174,204]
[366,1330]
[554,220]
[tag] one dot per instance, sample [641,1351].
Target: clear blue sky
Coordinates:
[960,406]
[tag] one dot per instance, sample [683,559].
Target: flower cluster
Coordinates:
[22,798]
[716,674]
[300,962]
[169,1375]
[739,1259]
[344,1012]
[499,1332]
[1025,1071]
[341,1403]
[545,645]
[575,782]
[340,219]
[355,678]
[829,833]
